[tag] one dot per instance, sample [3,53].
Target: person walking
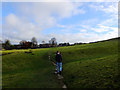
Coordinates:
[59,62]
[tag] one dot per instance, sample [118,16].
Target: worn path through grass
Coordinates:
[59,77]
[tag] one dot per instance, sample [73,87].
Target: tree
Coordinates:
[43,42]
[53,41]
[7,44]
[34,42]
[1,44]
[50,42]
[23,42]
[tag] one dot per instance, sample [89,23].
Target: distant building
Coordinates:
[17,46]
[44,45]
[27,45]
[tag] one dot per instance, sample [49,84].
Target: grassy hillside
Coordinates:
[84,66]
[26,70]
[91,65]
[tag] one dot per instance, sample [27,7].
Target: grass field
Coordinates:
[84,66]
[25,70]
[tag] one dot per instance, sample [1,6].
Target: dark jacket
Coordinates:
[58,58]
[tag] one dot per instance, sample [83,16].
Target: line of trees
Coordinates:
[29,44]
[34,44]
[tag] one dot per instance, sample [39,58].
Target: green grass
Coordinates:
[91,65]
[84,66]
[99,73]
[24,70]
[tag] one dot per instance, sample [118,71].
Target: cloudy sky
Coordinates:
[66,21]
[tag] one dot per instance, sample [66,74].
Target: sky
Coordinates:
[71,22]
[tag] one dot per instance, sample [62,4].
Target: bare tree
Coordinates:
[53,41]
[34,41]
[50,42]
[23,42]
[43,42]
[7,44]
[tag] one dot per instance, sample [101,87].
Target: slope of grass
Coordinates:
[24,70]
[91,65]
[84,66]
[95,73]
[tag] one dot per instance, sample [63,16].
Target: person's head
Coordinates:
[58,52]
